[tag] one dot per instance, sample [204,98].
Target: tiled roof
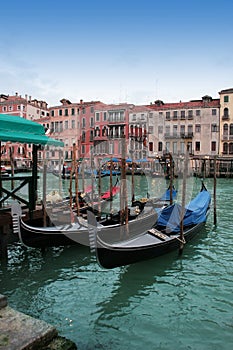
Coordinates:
[185,105]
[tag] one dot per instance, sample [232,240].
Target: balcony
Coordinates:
[182,135]
[225,117]
[116,122]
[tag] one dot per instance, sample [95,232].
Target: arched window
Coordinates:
[231,129]
[231,148]
[131,130]
[225,129]
[226,114]
[225,148]
[97,131]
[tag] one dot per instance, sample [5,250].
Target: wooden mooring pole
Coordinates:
[215,186]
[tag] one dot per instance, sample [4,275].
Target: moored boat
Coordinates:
[163,237]
[62,231]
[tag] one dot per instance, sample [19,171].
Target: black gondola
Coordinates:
[163,237]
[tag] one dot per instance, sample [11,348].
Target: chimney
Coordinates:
[81,102]
[16,94]
[26,97]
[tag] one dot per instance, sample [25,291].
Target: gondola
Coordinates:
[162,238]
[33,233]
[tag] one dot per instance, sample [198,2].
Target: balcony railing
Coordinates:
[182,135]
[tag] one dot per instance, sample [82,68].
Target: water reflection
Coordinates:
[139,280]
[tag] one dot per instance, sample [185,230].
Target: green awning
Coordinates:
[17,129]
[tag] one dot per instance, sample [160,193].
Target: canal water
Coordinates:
[167,303]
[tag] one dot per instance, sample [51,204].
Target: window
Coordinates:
[72,111]
[167,146]
[182,114]
[60,111]
[182,130]
[213,146]
[66,124]
[84,110]
[175,127]
[231,129]
[160,129]
[18,108]
[168,115]
[97,117]
[226,114]
[225,148]
[160,146]
[174,147]
[97,131]
[52,113]
[105,116]
[225,129]
[198,146]
[226,98]
[190,130]
[150,130]
[231,148]
[66,112]
[151,146]
[214,128]
[83,123]
[72,124]
[198,128]
[104,131]
[214,111]
[4,108]
[198,112]
[92,122]
[182,147]
[167,131]
[92,109]
[175,115]
[190,114]
[10,108]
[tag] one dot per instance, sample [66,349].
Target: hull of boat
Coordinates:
[33,234]
[112,256]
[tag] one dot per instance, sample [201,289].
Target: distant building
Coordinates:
[226,123]
[27,108]
[197,121]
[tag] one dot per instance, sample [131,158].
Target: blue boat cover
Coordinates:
[166,195]
[195,213]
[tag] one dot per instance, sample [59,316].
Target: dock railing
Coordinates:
[8,191]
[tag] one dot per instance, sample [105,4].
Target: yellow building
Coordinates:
[226,123]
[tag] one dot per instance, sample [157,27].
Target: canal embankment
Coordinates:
[19,331]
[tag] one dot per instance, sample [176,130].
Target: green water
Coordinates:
[167,303]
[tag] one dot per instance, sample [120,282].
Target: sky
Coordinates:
[116,50]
